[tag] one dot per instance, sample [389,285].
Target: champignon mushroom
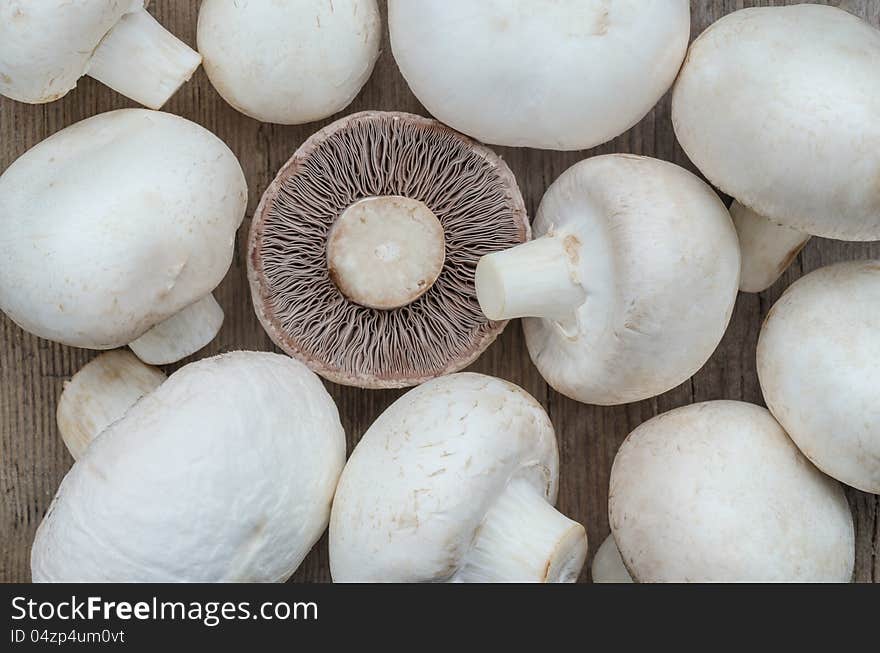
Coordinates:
[717,492]
[363,249]
[455,482]
[608,566]
[629,283]
[289,62]
[100,394]
[226,472]
[116,230]
[777,106]
[819,367]
[47,45]
[537,73]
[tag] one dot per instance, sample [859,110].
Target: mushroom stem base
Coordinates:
[142,60]
[535,279]
[525,539]
[181,335]
[386,252]
[767,248]
[100,394]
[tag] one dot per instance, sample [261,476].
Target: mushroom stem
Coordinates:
[535,279]
[181,335]
[767,248]
[525,539]
[608,566]
[100,394]
[142,60]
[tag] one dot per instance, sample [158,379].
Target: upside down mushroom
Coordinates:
[116,230]
[455,482]
[717,492]
[224,473]
[629,284]
[778,107]
[362,251]
[819,368]
[47,45]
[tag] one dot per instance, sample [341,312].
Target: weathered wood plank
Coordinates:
[33,459]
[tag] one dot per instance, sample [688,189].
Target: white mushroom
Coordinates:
[819,366]
[225,473]
[778,107]
[608,566]
[717,492]
[116,230]
[47,45]
[629,283]
[456,482]
[767,248]
[553,74]
[100,394]
[289,61]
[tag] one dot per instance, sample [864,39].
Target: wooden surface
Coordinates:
[33,459]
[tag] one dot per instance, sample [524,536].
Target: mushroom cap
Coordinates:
[46,45]
[608,566]
[380,154]
[819,367]
[778,107]
[289,62]
[422,478]
[539,73]
[658,258]
[226,472]
[115,224]
[717,492]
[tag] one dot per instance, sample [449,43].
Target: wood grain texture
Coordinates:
[33,459]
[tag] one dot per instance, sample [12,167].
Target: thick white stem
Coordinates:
[181,335]
[767,248]
[100,394]
[142,60]
[608,566]
[525,539]
[535,279]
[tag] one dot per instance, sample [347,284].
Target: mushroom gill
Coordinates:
[469,190]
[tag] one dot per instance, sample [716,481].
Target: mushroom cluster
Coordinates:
[391,250]
[363,250]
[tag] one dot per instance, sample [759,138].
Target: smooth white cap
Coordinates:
[717,492]
[778,107]
[655,255]
[46,45]
[551,74]
[819,366]
[115,224]
[289,62]
[224,473]
[425,483]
